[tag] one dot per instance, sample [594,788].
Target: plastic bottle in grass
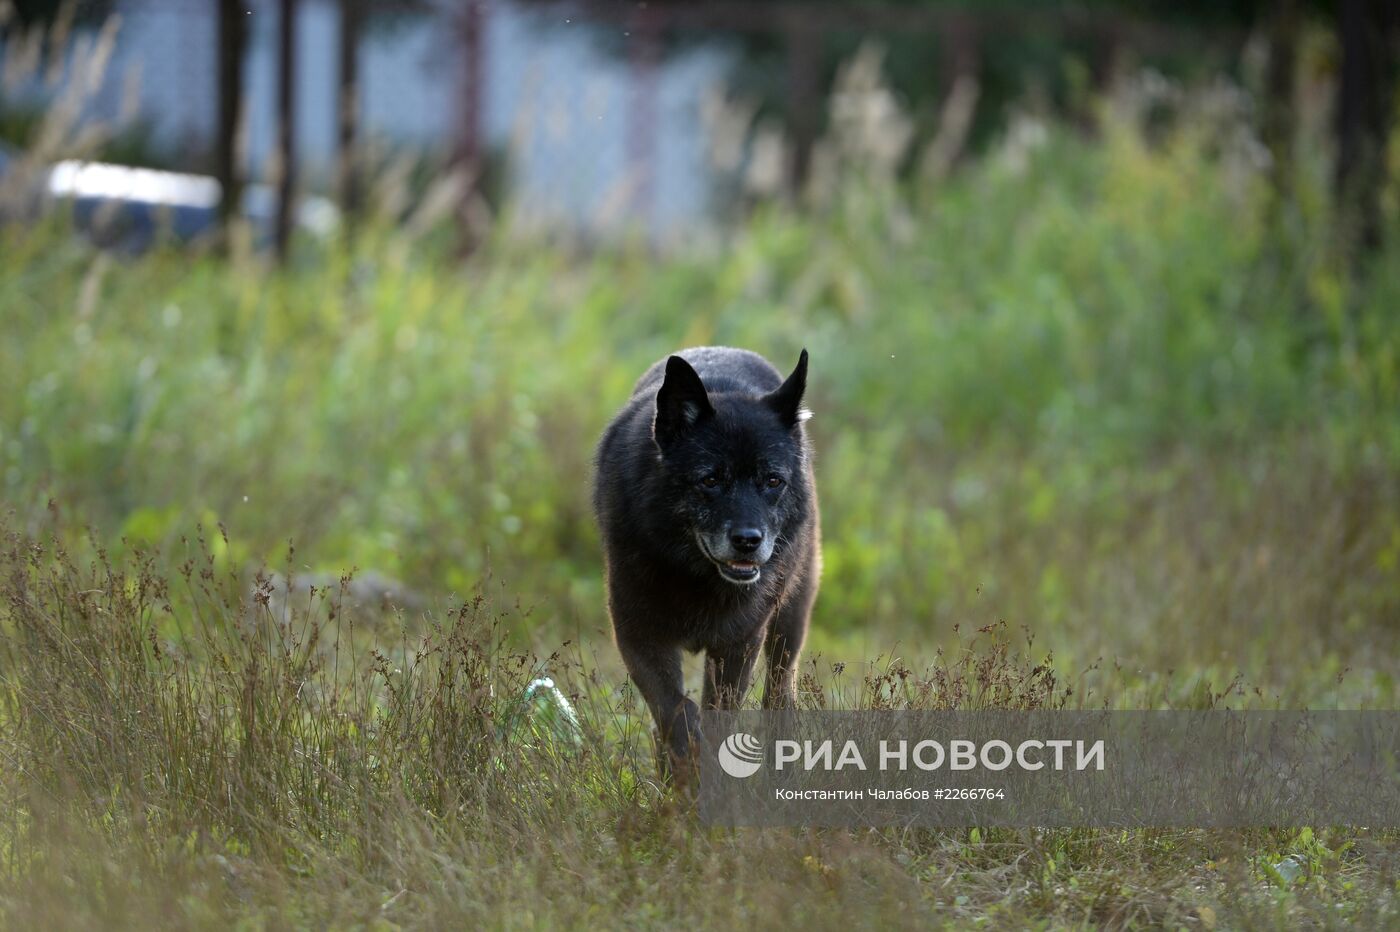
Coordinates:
[545,715]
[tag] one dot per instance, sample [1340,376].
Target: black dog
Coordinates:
[708,510]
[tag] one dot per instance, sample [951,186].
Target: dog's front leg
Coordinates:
[657,673]
[787,629]
[728,674]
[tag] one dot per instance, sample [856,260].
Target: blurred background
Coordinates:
[665,116]
[1101,298]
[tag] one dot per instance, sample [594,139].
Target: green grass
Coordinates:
[307,765]
[1122,401]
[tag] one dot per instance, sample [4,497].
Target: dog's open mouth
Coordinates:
[739,571]
[735,571]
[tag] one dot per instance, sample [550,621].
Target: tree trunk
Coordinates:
[1279,98]
[1365,99]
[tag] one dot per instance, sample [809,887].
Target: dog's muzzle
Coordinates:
[741,567]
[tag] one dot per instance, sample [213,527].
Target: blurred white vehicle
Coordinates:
[128,208]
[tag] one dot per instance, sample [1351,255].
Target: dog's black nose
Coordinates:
[746,539]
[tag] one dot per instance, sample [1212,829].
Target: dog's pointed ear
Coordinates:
[786,400]
[681,402]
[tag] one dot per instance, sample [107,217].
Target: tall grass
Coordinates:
[315,765]
[1081,391]
[1113,392]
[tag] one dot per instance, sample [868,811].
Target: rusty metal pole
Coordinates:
[471,150]
[286,137]
[644,47]
[233,41]
[473,86]
[804,96]
[347,180]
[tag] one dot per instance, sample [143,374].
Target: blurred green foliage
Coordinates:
[1107,389]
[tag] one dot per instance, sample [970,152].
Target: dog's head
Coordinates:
[736,464]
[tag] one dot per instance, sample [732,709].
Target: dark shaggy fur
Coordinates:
[708,510]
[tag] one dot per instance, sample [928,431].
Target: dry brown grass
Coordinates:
[175,754]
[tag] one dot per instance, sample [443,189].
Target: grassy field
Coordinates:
[1103,407]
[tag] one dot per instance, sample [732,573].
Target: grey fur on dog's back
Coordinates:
[707,505]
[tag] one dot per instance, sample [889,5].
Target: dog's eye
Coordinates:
[709,482]
[774,482]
